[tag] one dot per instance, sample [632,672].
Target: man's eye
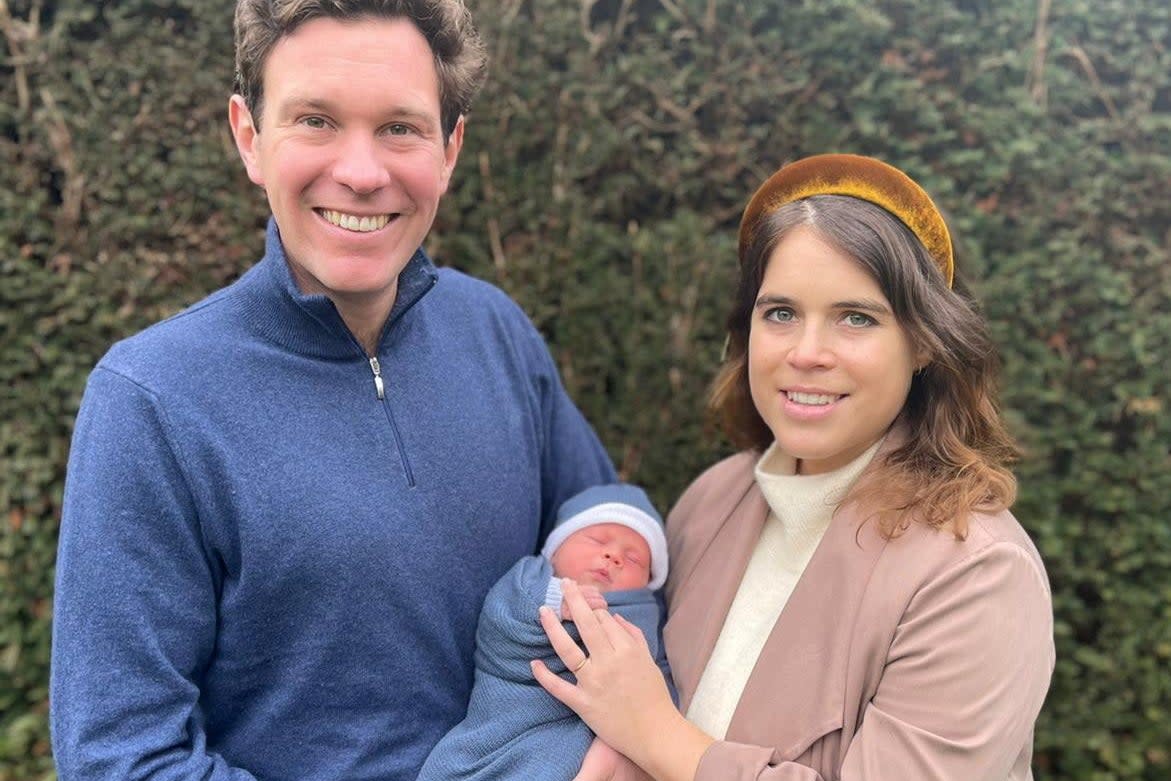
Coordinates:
[316,123]
[398,129]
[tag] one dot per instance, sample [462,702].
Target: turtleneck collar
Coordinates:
[311,324]
[805,503]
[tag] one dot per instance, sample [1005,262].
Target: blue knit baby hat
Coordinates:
[619,503]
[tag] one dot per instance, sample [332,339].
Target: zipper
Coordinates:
[378,386]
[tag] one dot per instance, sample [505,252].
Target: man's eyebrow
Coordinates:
[306,102]
[296,102]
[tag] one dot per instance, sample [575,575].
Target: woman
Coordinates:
[849,597]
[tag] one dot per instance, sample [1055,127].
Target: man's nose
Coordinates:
[359,165]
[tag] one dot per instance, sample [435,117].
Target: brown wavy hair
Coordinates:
[461,61]
[955,459]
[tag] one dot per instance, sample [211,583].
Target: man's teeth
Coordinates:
[353,222]
[817,399]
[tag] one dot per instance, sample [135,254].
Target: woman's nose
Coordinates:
[811,350]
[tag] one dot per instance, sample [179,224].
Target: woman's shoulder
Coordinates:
[723,496]
[725,482]
[1002,530]
[990,537]
[736,469]
[983,529]
[928,584]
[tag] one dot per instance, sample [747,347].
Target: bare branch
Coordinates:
[620,23]
[595,40]
[709,18]
[18,33]
[673,9]
[1036,78]
[494,240]
[61,141]
[1079,54]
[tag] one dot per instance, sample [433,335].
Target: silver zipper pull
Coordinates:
[377,378]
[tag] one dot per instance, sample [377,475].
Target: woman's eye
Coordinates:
[780,315]
[858,320]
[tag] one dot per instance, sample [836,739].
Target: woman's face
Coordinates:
[829,366]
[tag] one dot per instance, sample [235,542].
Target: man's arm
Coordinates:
[134,619]
[572,456]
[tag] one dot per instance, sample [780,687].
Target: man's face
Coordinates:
[350,152]
[610,556]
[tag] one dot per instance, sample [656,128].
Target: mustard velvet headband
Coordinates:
[859,177]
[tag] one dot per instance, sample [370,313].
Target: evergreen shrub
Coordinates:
[601,182]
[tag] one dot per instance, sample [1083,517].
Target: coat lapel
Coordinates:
[796,692]
[706,595]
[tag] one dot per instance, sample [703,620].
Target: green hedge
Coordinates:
[601,182]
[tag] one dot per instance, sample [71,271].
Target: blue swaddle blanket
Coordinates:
[514,729]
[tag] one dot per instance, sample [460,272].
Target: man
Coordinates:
[285,505]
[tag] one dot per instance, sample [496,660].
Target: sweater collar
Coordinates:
[311,324]
[805,503]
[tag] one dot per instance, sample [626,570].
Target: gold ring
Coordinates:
[580,665]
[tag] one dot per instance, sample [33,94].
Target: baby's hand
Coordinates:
[593,598]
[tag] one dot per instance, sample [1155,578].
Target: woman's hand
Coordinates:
[620,691]
[593,597]
[603,763]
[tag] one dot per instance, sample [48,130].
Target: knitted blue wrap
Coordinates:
[515,730]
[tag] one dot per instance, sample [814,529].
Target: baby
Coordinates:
[610,540]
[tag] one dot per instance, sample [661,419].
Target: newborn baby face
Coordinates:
[610,556]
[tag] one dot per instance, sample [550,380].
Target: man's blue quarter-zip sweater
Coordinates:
[268,571]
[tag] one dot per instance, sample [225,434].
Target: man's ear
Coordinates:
[455,142]
[245,132]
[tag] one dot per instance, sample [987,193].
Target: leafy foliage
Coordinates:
[601,184]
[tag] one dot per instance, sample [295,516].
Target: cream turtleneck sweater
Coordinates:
[800,510]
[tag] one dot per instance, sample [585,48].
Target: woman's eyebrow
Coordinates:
[861,304]
[864,305]
[773,301]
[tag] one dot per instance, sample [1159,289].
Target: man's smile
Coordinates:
[355,222]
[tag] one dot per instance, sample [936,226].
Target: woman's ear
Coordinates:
[923,358]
